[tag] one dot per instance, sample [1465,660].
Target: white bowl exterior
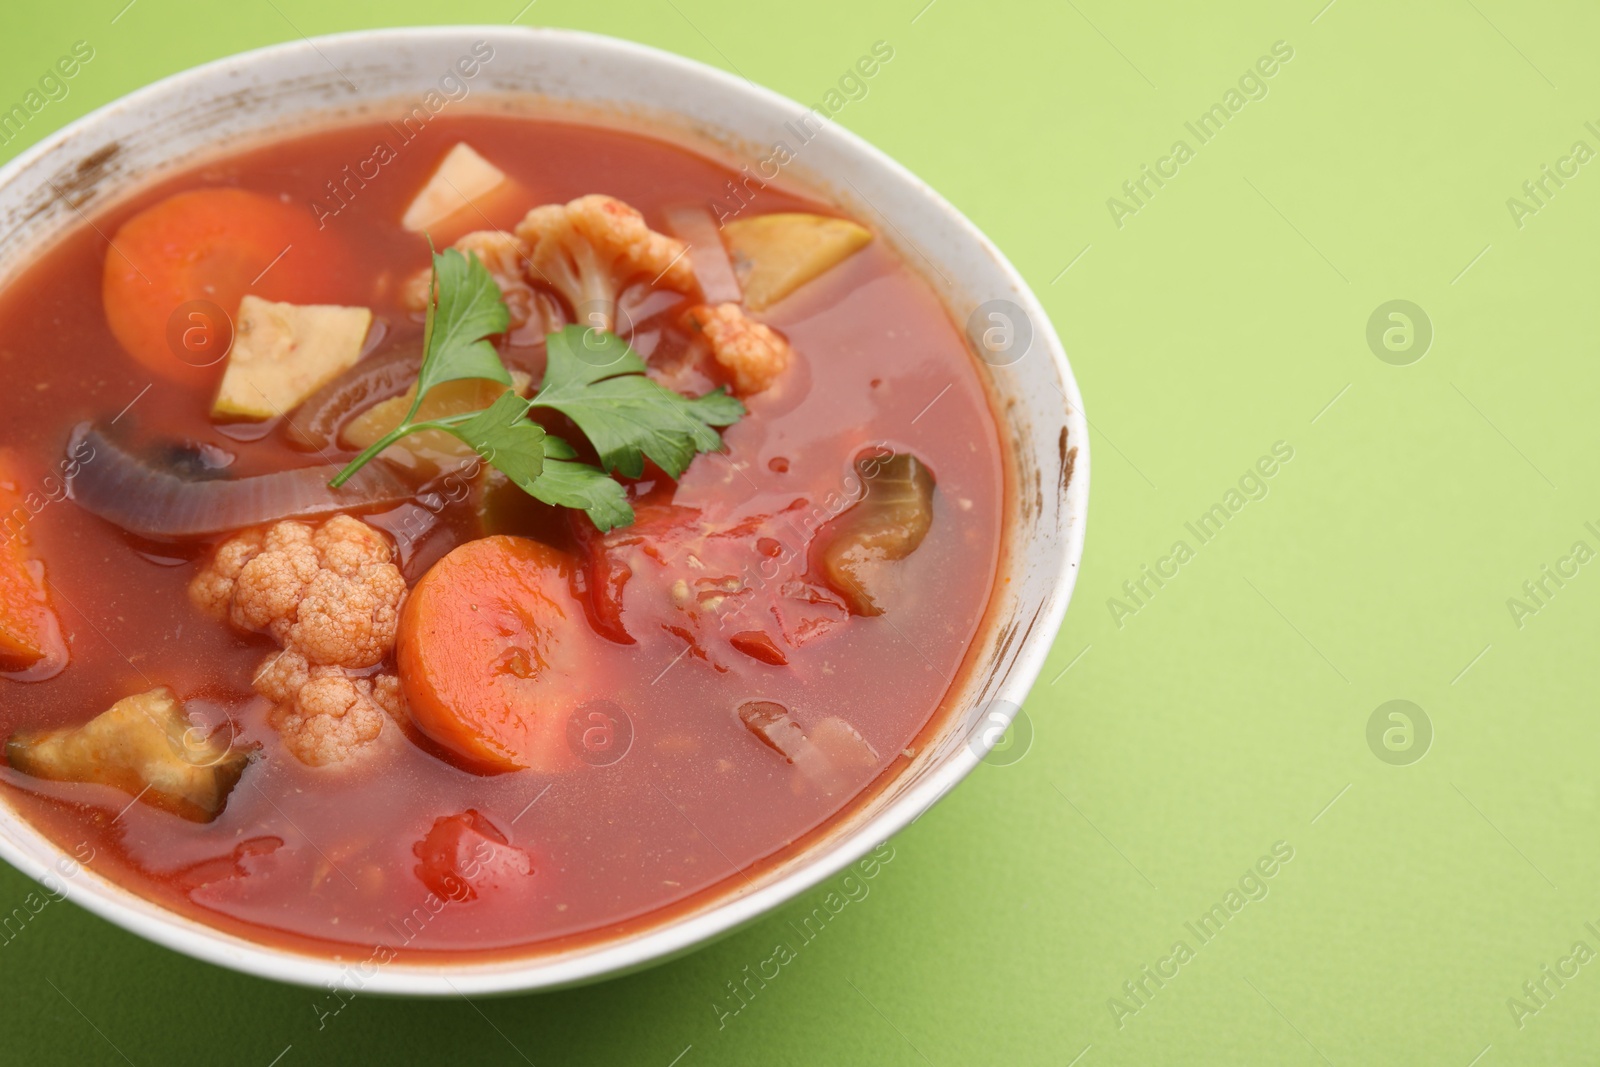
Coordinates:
[232,102]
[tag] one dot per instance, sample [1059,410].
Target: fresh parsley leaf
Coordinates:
[504,436]
[464,307]
[716,408]
[468,309]
[568,484]
[556,448]
[627,419]
[591,376]
[580,356]
[598,382]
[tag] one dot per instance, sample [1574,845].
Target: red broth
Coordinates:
[324,859]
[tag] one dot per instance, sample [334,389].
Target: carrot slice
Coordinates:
[176,271]
[493,653]
[30,634]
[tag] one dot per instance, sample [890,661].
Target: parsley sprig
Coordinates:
[591,376]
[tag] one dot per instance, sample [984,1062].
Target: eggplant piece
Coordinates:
[884,526]
[145,746]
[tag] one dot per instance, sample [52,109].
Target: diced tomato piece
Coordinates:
[465,855]
[739,585]
[230,865]
[758,645]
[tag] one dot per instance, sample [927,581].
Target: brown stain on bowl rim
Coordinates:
[1069,460]
[79,184]
[75,185]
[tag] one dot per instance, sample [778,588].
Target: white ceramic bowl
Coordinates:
[382,73]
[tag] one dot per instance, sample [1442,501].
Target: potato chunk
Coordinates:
[774,255]
[282,353]
[145,746]
[463,177]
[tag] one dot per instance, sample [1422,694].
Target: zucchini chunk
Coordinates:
[884,526]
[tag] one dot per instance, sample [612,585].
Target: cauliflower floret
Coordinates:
[325,714]
[386,691]
[212,589]
[590,248]
[331,591]
[753,354]
[281,675]
[505,257]
[330,594]
[331,717]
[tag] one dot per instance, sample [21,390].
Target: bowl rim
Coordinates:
[664,940]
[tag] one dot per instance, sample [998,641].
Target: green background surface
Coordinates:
[1176,744]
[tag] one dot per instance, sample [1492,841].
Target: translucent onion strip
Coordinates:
[694,226]
[159,503]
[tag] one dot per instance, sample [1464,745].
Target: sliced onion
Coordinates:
[158,502]
[314,426]
[639,304]
[834,758]
[693,225]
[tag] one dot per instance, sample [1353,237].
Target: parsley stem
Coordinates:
[405,429]
[367,453]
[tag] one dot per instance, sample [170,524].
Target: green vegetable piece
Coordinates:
[568,484]
[598,382]
[886,525]
[591,376]
[506,439]
[469,309]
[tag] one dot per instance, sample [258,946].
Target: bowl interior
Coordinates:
[392,74]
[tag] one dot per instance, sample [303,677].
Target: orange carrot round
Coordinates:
[493,654]
[176,271]
[31,645]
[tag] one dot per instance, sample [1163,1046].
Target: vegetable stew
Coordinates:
[478,543]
